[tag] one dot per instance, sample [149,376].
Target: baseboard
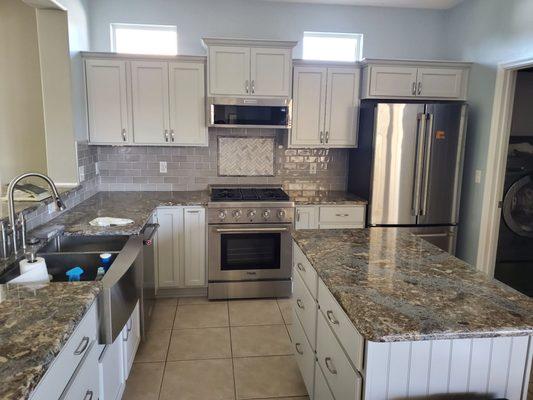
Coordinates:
[182,292]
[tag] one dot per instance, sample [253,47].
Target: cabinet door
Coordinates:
[149,81]
[187,104]
[309,99]
[84,384]
[392,81]
[194,246]
[440,83]
[229,70]
[170,223]
[270,72]
[342,105]
[306,217]
[131,336]
[107,101]
[322,391]
[111,370]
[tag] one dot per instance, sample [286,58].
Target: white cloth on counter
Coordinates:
[110,221]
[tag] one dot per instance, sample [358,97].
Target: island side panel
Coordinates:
[497,366]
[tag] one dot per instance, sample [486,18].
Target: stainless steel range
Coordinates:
[250,249]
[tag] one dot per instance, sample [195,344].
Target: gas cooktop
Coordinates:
[248,194]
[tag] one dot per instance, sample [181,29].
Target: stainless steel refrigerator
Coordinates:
[408,164]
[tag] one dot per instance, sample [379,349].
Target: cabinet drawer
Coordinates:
[304,354]
[306,309]
[336,318]
[305,270]
[344,217]
[84,383]
[322,391]
[58,375]
[344,381]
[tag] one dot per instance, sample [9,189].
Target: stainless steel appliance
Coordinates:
[250,247]
[409,165]
[239,112]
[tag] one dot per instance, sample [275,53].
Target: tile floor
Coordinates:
[216,351]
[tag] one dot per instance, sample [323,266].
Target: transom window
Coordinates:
[333,46]
[144,39]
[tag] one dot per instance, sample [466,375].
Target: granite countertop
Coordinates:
[395,286]
[137,206]
[35,323]
[325,197]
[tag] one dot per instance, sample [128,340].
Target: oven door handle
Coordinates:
[250,230]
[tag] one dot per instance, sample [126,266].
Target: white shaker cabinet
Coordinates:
[306,217]
[397,81]
[330,217]
[229,70]
[270,72]
[149,83]
[181,247]
[131,337]
[325,106]
[107,102]
[440,82]
[111,370]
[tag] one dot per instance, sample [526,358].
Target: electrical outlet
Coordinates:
[163,167]
[477,177]
[51,208]
[96,168]
[312,168]
[81,173]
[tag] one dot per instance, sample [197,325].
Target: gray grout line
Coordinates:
[232,358]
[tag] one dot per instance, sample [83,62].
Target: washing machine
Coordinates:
[514,259]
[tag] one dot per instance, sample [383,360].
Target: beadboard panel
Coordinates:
[498,367]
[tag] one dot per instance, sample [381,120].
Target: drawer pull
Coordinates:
[127,336]
[300,267]
[332,318]
[330,366]
[342,215]
[129,324]
[82,346]
[300,304]
[88,395]
[298,349]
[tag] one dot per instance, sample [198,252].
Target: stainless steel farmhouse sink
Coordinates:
[84,244]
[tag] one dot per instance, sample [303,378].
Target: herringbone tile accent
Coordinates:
[238,156]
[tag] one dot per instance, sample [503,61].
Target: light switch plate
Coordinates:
[163,167]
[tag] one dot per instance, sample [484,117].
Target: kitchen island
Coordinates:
[411,319]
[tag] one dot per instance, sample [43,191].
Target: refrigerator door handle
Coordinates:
[419,162]
[427,165]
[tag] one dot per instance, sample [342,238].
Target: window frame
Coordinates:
[358,54]
[166,28]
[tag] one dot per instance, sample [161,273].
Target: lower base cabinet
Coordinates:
[330,217]
[111,370]
[85,384]
[131,337]
[321,391]
[305,356]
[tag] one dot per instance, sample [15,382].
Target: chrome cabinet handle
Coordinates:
[172,135]
[253,86]
[124,137]
[413,89]
[342,215]
[300,267]
[298,349]
[130,323]
[127,336]
[419,88]
[193,211]
[82,346]
[327,136]
[246,86]
[88,395]
[330,366]
[300,304]
[332,318]
[298,215]
[166,135]
[321,137]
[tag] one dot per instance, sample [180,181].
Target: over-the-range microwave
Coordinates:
[242,112]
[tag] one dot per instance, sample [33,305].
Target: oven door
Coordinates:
[244,252]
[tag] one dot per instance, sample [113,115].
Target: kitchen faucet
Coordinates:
[11,203]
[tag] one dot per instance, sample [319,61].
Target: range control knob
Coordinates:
[281,214]
[222,214]
[237,214]
[266,214]
[251,214]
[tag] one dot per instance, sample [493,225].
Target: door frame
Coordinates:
[500,131]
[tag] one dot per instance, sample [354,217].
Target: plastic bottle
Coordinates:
[105,260]
[74,274]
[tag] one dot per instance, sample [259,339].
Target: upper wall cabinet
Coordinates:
[146,102]
[398,79]
[325,105]
[249,68]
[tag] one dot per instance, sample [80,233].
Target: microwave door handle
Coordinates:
[251,230]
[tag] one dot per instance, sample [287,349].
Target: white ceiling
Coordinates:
[432,4]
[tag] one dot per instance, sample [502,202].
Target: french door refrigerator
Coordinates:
[408,164]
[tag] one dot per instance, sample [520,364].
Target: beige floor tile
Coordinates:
[285,398]
[254,312]
[167,301]
[201,316]
[289,330]
[285,305]
[144,382]
[155,347]
[198,380]
[198,344]
[198,300]
[263,377]
[162,317]
[264,340]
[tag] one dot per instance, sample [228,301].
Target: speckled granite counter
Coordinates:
[35,323]
[396,287]
[325,197]
[137,206]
